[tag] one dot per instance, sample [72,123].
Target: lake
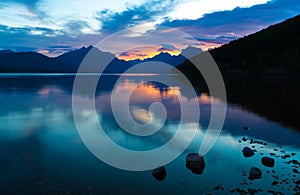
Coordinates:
[41,150]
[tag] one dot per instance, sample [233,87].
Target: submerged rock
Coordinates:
[159,173]
[195,163]
[295,171]
[248,152]
[268,162]
[255,173]
[218,187]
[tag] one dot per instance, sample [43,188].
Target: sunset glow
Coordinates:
[143,53]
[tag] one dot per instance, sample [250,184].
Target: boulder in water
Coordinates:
[195,163]
[159,173]
[248,152]
[268,162]
[255,173]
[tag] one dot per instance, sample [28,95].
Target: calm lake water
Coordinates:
[41,150]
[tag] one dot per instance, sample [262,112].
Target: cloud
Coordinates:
[163,49]
[142,55]
[123,54]
[224,26]
[43,24]
[195,9]
[23,39]
[143,17]
[169,46]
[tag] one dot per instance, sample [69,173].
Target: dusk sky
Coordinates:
[53,27]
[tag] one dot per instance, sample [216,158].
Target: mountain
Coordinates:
[75,57]
[191,51]
[70,61]
[272,50]
[30,62]
[6,51]
[172,60]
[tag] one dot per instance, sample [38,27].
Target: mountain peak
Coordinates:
[190,51]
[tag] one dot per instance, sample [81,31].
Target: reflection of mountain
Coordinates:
[69,62]
[276,98]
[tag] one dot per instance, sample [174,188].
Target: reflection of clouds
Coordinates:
[22,123]
[141,115]
[45,91]
[143,94]
[205,99]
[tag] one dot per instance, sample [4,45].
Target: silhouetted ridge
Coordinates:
[69,62]
[273,50]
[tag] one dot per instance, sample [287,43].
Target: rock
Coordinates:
[274,183]
[244,139]
[252,191]
[218,187]
[295,171]
[195,163]
[159,173]
[255,173]
[268,162]
[248,152]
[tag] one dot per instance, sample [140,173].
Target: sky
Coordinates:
[52,27]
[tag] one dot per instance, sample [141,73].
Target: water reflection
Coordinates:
[40,150]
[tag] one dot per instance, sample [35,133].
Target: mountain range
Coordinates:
[31,62]
[275,49]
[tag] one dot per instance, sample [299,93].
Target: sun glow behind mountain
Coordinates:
[146,52]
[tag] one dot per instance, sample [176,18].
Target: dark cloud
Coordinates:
[222,27]
[141,55]
[60,47]
[30,4]
[216,39]
[18,48]
[146,12]
[76,26]
[124,54]
[21,39]
[163,49]
[168,46]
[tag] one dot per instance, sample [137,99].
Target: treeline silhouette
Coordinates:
[272,50]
